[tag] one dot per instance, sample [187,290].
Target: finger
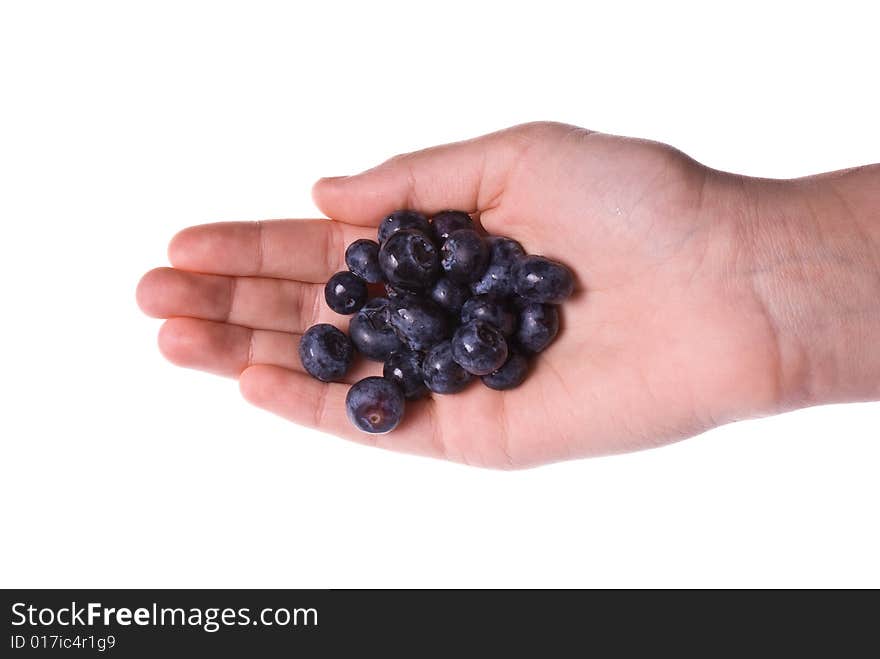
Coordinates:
[308,402]
[306,250]
[225,349]
[228,350]
[256,302]
[466,176]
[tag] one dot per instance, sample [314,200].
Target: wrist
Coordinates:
[812,261]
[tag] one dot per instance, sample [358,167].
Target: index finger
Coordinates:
[304,250]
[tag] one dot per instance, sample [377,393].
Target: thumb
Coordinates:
[467,176]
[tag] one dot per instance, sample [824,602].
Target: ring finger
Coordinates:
[227,350]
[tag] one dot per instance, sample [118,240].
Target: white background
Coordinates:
[122,122]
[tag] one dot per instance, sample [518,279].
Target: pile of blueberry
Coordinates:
[457,304]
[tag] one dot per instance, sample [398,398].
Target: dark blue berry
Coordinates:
[375,405]
[490,310]
[479,348]
[420,324]
[397,293]
[510,375]
[441,373]
[442,279]
[449,295]
[497,280]
[325,352]
[409,259]
[538,325]
[362,258]
[345,293]
[442,224]
[502,248]
[538,279]
[371,332]
[405,369]
[464,256]
[402,220]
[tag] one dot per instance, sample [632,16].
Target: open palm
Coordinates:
[663,338]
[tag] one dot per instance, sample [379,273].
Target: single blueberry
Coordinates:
[502,248]
[405,369]
[539,279]
[510,375]
[449,295]
[442,224]
[538,325]
[479,348]
[396,293]
[362,258]
[325,352]
[464,255]
[420,324]
[490,310]
[497,280]
[345,293]
[375,405]
[441,373]
[409,259]
[403,219]
[371,332]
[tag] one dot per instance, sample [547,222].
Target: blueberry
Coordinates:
[362,258]
[402,220]
[541,280]
[345,293]
[458,305]
[420,324]
[442,224]
[502,248]
[464,255]
[538,325]
[449,295]
[371,332]
[441,373]
[325,352]
[409,259]
[479,347]
[490,310]
[396,293]
[497,280]
[375,405]
[405,369]
[510,375]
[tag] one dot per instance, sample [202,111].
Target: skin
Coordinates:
[702,297]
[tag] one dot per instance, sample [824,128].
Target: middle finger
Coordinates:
[255,302]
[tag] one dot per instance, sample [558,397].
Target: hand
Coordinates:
[667,334]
